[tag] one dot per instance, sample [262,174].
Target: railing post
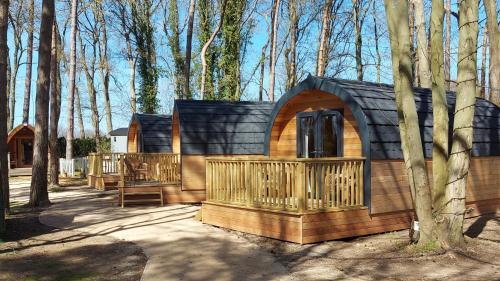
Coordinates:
[248,185]
[122,170]
[208,172]
[301,186]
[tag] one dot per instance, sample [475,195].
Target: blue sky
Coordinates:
[120,69]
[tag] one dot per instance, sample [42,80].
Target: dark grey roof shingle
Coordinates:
[156,132]
[222,127]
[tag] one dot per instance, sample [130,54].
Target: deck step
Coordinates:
[141,200]
[142,193]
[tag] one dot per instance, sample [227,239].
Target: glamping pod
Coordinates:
[334,166]
[20,143]
[203,129]
[150,133]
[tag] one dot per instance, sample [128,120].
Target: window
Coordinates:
[319,134]
[114,139]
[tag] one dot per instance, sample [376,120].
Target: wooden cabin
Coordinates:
[202,129]
[20,143]
[150,133]
[333,165]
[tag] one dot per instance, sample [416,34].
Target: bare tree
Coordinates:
[291,51]
[484,48]
[272,56]
[411,144]
[38,193]
[205,48]
[79,115]
[424,72]
[323,39]
[29,61]
[376,36]
[494,36]
[447,46]
[4,177]
[72,81]
[55,99]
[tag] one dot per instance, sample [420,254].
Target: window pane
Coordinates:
[329,136]
[306,141]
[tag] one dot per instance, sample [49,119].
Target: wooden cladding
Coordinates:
[296,185]
[283,139]
[133,138]
[390,189]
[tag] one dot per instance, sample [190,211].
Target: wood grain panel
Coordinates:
[390,189]
[132,141]
[283,139]
[176,138]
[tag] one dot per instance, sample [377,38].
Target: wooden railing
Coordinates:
[286,184]
[161,167]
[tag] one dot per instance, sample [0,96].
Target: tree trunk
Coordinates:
[29,62]
[411,18]
[447,45]
[440,108]
[13,76]
[397,21]
[189,39]
[72,82]
[104,68]
[173,41]
[4,169]
[424,72]
[451,215]
[322,60]
[484,48]
[133,98]
[38,194]
[291,57]
[262,71]
[358,39]
[79,115]
[55,98]
[377,48]
[494,34]
[205,48]
[272,56]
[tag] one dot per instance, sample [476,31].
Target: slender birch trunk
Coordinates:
[38,194]
[291,54]
[272,56]
[29,62]
[262,71]
[377,48]
[397,21]
[79,115]
[484,49]
[104,69]
[358,39]
[424,71]
[72,81]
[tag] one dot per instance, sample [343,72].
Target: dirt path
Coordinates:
[181,248]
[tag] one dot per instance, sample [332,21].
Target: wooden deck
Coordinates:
[17,172]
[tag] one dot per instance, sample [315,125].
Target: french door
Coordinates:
[319,134]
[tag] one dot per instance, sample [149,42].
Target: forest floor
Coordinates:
[89,238]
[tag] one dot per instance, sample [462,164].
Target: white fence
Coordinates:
[72,166]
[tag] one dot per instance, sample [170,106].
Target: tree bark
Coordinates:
[291,54]
[55,98]
[494,36]
[104,69]
[4,169]
[272,56]
[72,82]
[79,115]
[484,48]
[38,193]
[17,32]
[397,21]
[189,39]
[322,59]
[424,72]
[440,108]
[451,215]
[205,48]
[29,62]
[173,41]
[377,48]
[447,45]
[262,71]
[358,25]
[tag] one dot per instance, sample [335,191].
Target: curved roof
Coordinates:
[17,129]
[155,132]
[374,108]
[222,127]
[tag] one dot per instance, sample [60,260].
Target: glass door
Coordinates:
[319,134]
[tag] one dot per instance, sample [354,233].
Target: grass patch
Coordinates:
[57,189]
[429,247]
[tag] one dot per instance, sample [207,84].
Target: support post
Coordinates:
[301,186]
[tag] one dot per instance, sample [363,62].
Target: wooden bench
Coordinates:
[125,192]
